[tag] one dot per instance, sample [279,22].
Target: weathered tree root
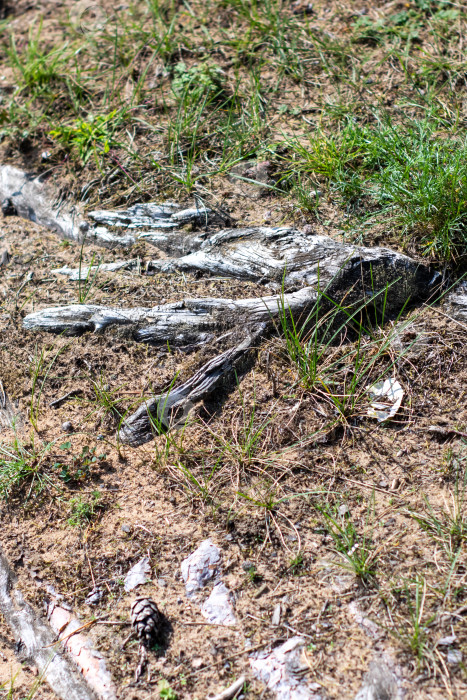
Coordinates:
[329,273]
[379,279]
[29,196]
[35,641]
[161,411]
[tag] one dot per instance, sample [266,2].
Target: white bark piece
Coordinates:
[218,609]
[281,670]
[35,642]
[89,660]
[389,394]
[138,575]
[200,567]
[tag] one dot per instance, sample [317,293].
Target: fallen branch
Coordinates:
[231,691]
[33,637]
[164,410]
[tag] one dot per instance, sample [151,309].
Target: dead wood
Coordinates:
[35,641]
[30,197]
[165,410]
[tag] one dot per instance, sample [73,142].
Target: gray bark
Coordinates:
[286,255]
[34,639]
[165,410]
[176,323]
[28,196]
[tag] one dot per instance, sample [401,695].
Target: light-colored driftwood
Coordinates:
[335,274]
[162,411]
[30,197]
[35,641]
[178,323]
[286,255]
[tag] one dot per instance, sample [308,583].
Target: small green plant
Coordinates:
[91,137]
[21,464]
[356,550]
[79,467]
[200,80]
[39,71]
[297,564]
[82,512]
[166,692]
[413,633]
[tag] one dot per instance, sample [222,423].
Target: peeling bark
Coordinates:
[90,662]
[35,641]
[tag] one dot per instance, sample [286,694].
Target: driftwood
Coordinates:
[30,197]
[288,256]
[164,410]
[35,641]
[336,274]
[178,323]
[323,271]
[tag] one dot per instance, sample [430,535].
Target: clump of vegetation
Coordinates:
[205,79]
[91,137]
[82,512]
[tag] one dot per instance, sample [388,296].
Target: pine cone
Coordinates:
[146,620]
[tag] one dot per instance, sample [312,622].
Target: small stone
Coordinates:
[395,484]
[343,510]
[383,484]
[276,616]
[307,230]
[454,657]
[67,427]
[248,565]
[126,528]
[94,597]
